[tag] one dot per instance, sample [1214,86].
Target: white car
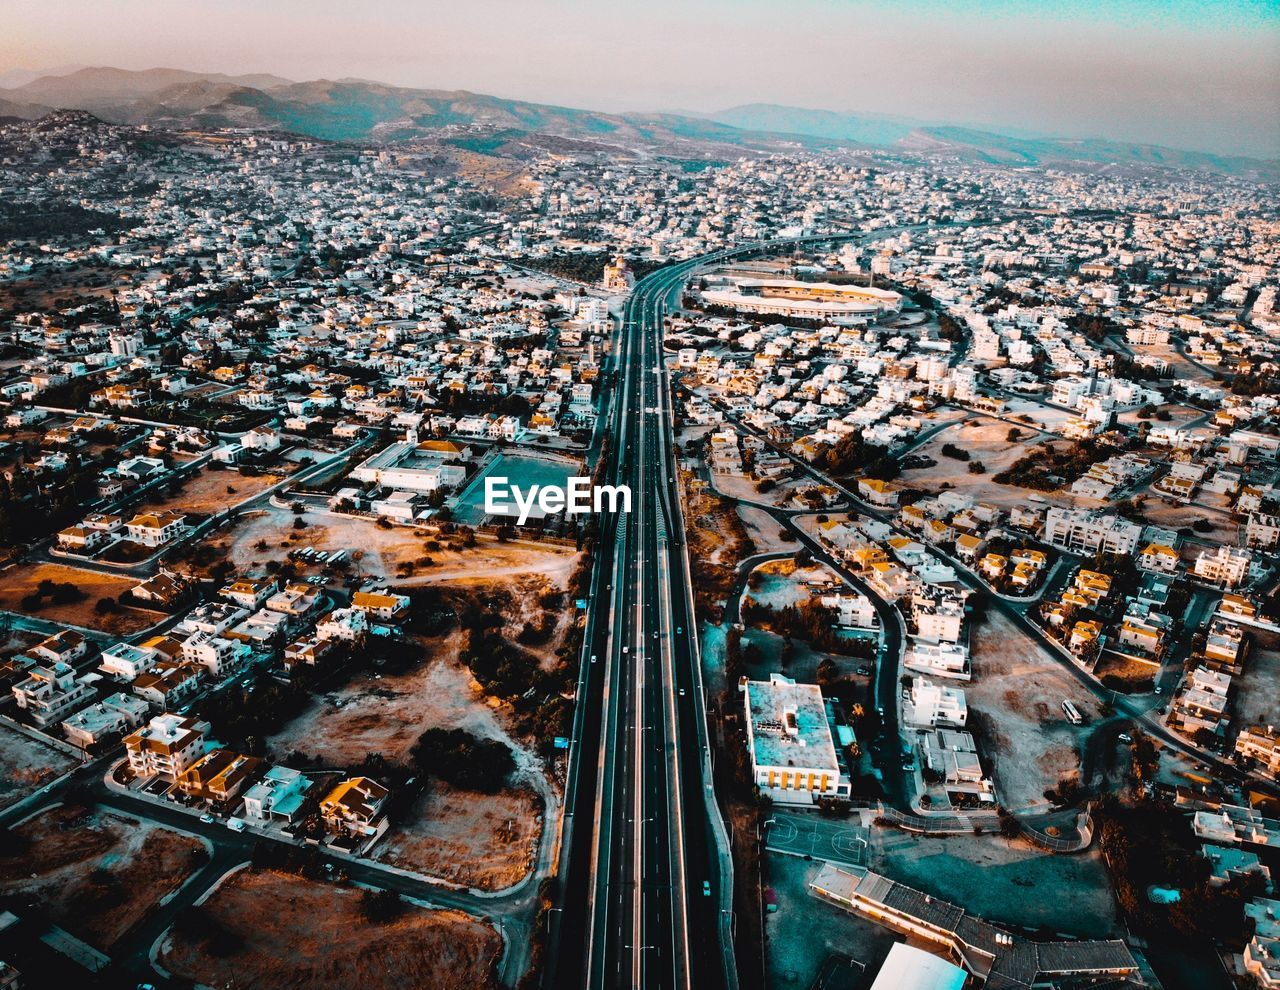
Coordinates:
[235,824]
[207,818]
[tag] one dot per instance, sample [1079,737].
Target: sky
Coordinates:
[1199,75]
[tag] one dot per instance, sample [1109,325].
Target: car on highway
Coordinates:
[706,888]
[593,658]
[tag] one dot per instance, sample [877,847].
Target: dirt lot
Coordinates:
[764,530]
[26,764]
[22,580]
[1015,711]
[1019,883]
[1255,700]
[206,492]
[485,841]
[987,441]
[296,933]
[102,875]
[1158,512]
[379,553]
[386,716]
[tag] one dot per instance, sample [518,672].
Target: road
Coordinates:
[645,892]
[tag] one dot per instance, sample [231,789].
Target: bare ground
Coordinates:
[22,580]
[1015,709]
[103,874]
[297,933]
[26,764]
[484,841]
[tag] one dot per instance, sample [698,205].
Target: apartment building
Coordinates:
[166,746]
[49,693]
[1088,532]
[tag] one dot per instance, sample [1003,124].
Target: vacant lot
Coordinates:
[485,841]
[380,553]
[210,491]
[1256,702]
[1171,515]
[764,530]
[1015,709]
[23,580]
[97,874]
[388,715]
[986,441]
[1020,884]
[290,932]
[26,764]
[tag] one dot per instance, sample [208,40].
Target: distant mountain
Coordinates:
[862,128]
[20,77]
[360,110]
[1006,150]
[1008,147]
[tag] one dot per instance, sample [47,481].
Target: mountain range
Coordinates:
[362,110]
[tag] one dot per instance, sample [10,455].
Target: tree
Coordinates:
[380,906]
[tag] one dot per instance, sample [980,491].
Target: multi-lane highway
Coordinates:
[645,888]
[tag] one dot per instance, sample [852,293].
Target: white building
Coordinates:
[1085,532]
[931,705]
[793,756]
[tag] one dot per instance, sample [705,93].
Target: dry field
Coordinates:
[380,553]
[1015,702]
[207,491]
[764,530]
[26,764]
[987,441]
[298,933]
[388,715]
[1157,512]
[483,841]
[20,581]
[1256,702]
[101,876]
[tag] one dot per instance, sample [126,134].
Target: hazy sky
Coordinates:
[1203,75]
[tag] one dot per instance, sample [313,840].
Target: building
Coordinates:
[279,796]
[218,776]
[381,604]
[1226,566]
[108,717]
[48,694]
[166,746]
[995,957]
[793,755]
[930,705]
[1086,532]
[824,301]
[155,529]
[909,968]
[354,807]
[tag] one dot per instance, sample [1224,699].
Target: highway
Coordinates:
[645,890]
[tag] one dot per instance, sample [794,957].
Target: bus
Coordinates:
[1073,716]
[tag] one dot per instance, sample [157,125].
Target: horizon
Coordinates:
[1195,77]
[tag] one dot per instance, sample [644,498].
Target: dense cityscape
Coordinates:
[937,647]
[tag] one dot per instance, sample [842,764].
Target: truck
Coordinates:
[1073,715]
